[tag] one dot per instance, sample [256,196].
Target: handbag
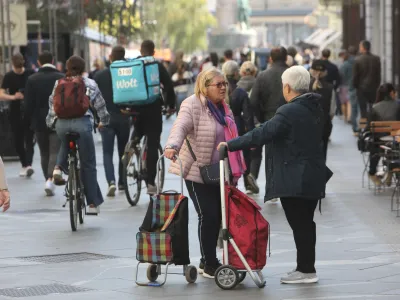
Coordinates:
[209,173]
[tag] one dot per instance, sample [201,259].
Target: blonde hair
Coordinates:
[317,75]
[248,69]
[98,62]
[204,79]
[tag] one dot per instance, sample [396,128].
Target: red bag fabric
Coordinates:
[70,100]
[248,227]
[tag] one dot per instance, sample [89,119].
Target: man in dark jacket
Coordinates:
[333,77]
[149,119]
[118,127]
[38,89]
[297,171]
[266,95]
[366,77]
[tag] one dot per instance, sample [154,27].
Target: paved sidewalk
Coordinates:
[358,244]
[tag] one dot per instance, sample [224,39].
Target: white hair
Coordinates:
[230,68]
[298,78]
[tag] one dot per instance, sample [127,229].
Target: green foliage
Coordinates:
[182,23]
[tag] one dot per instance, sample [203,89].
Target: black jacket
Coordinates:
[367,73]
[333,76]
[266,96]
[37,92]
[296,166]
[240,106]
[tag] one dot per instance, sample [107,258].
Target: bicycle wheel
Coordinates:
[73,197]
[161,169]
[133,180]
[81,201]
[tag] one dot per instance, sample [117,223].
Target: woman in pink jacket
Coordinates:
[204,120]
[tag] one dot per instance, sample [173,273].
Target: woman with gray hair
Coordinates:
[297,173]
[244,118]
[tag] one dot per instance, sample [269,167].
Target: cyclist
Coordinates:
[84,126]
[118,127]
[149,118]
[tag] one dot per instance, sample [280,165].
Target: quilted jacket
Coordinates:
[195,122]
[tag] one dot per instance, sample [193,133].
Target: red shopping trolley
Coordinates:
[245,234]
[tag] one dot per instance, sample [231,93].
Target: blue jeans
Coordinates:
[118,128]
[87,155]
[354,109]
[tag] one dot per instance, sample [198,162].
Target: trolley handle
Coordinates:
[158,173]
[223,152]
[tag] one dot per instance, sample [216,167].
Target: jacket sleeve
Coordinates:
[277,127]
[166,81]
[256,98]
[247,113]
[29,99]
[183,125]
[3,181]
[338,79]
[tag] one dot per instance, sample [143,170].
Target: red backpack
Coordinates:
[70,100]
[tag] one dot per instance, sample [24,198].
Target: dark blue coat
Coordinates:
[295,164]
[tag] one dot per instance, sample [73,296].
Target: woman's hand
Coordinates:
[170,154]
[223,144]
[5,199]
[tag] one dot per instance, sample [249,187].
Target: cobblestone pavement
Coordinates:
[358,247]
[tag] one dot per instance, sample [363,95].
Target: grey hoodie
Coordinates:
[246,83]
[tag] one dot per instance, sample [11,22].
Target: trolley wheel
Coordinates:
[191,274]
[152,273]
[227,277]
[242,276]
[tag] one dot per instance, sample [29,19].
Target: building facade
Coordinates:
[281,22]
[379,22]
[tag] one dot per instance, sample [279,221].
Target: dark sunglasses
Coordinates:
[219,85]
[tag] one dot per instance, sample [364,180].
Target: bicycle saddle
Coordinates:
[72,136]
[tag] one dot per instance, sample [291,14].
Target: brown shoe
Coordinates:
[375,179]
[389,179]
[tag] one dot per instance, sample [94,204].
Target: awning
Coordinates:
[321,38]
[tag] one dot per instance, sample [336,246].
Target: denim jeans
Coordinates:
[87,155]
[354,109]
[119,127]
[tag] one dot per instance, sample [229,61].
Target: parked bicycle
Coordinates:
[74,189]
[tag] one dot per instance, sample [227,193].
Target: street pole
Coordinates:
[40,38]
[3,38]
[55,34]
[50,27]
[9,42]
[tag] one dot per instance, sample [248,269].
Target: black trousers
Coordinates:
[300,215]
[207,202]
[49,144]
[365,101]
[256,159]
[23,139]
[374,157]
[149,123]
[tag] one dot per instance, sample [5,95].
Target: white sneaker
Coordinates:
[298,277]
[93,211]
[57,177]
[49,188]
[274,200]
[111,190]
[23,172]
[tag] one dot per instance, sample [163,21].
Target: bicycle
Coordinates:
[74,189]
[135,168]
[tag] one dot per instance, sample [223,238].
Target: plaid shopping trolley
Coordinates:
[163,238]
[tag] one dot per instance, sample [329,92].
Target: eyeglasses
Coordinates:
[219,85]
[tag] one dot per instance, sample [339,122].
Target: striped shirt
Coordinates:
[96,101]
